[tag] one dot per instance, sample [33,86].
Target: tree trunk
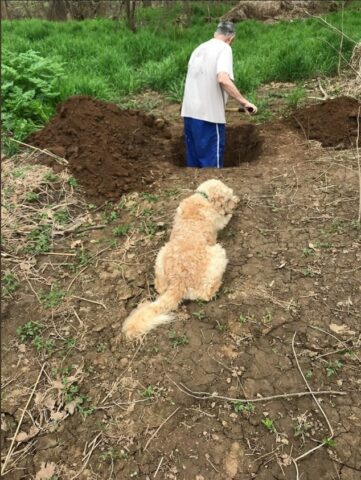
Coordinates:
[4,10]
[57,10]
[130,11]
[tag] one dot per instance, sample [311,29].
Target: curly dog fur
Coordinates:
[191,264]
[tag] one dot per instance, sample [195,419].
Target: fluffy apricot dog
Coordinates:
[191,265]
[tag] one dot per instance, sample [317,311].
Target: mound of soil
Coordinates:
[110,151]
[277,10]
[332,122]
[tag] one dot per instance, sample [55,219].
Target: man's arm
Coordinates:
[227,84]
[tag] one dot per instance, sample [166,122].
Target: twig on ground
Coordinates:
[10,451]
[211,396]
[86,266]
[333,336]
[160,426]
[159,464]
[61,160]
[116,383]
[90,301]
[295,460]
[358,162]
[93,445]
[34,292]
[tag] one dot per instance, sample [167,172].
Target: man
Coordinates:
[209,82]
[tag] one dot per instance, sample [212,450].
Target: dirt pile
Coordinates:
[333,122]
[278,10]
[110,151]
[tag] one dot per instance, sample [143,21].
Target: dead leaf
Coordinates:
[24,437]
[71,406]
[46,471]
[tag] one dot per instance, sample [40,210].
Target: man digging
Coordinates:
[209,82]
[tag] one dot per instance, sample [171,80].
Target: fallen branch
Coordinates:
[211,396]
[61,160]
[90,301]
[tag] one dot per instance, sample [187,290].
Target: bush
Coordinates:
[30,90]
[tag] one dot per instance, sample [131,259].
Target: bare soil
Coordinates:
[289,305]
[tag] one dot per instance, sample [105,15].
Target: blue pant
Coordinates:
[204,143]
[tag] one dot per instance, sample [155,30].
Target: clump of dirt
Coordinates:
[243,144]
[333,122]
[110,151]
[269,10]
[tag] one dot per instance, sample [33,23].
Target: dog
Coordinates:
[191,265]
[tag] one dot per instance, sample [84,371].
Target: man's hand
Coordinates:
[249,108]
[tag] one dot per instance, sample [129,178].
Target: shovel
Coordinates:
[239,109]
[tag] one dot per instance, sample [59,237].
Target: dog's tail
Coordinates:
[149,315]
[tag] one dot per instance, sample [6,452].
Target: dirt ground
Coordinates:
[189,402]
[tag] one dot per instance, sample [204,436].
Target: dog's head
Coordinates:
[219,195]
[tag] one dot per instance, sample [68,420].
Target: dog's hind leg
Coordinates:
[210,283]
[160,282]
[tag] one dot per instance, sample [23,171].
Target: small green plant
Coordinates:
[309,374]
[308,272]
[296,96]
[18,173]
[149,197]
[178,340]
[269,424]
[29,330]
[110,216]
[243,407]
[72,182]
[53,298]
[148,392]
[174,192]
[44,345]
[39,240]
[70,343]
[62,217]
[242,319]
[32,197]
[50,177]
[333,367]
[267,317]
[112,454]
[329,442]
[101,348]
[9,284]
[149,227]
[200,314]
[355,225]
[121,230]
[301,428]
[307,252]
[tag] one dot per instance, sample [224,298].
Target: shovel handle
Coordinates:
[239,109]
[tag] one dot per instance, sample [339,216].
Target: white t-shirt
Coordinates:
[204,98]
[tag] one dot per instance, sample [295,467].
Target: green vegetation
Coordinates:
[39,240]
[29,330]
[269,424]
[333,367]
[178,340]
[29,89]
[53,298]
[9,284]
[121,230]
[243,407]
[44,62]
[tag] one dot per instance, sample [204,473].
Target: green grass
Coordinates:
[102,58]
